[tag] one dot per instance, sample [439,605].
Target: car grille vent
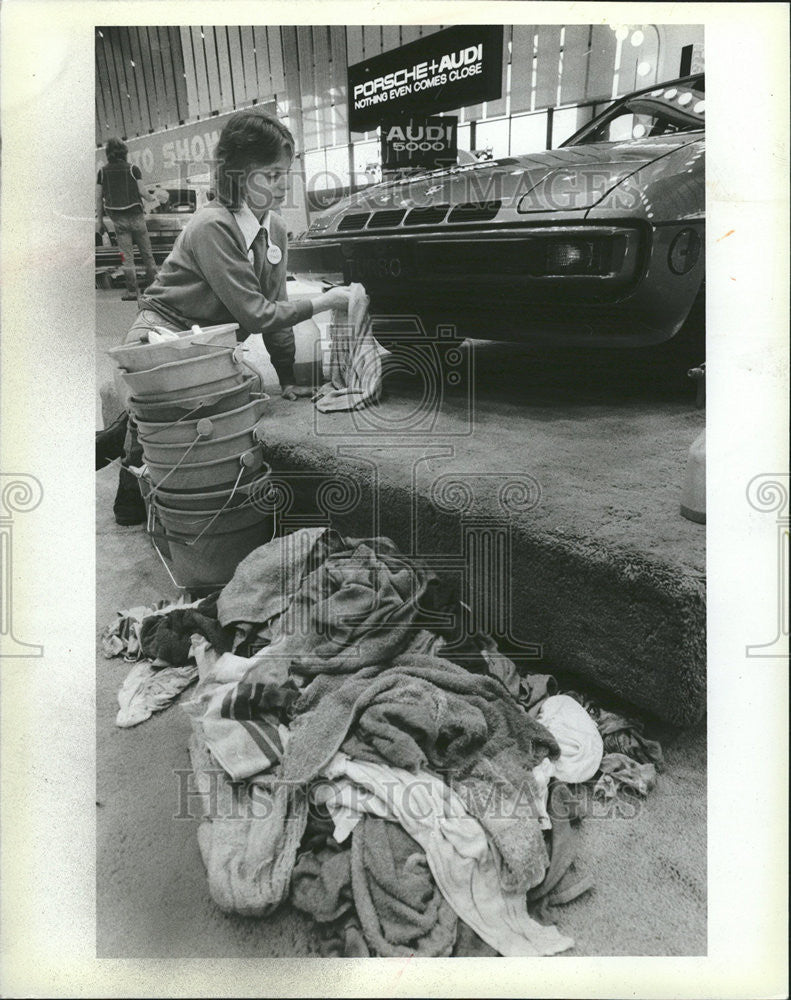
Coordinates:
[427,216]
[385,219]
[481,211]
[356,221]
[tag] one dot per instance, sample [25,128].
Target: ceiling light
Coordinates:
[684,99]
[643,69]
[621,33]
[637,38]
[700,107]
[670,94]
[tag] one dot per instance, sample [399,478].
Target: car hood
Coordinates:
[567,179]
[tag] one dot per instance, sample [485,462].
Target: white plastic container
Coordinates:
[693,496]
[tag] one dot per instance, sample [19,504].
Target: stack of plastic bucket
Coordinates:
[198,409]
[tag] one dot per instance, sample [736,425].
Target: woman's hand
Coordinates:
[335,298]
[293,392]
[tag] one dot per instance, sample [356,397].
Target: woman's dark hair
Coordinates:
[250,137]
[116,150]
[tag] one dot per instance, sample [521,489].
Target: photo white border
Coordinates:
[48,410]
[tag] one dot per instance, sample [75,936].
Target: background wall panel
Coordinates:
[177,68]
[391,37]
[322,55]
[496,108]
[236,66]
[275,44]
[191,79]
[307,88]
[338,82]
[141,45]
[147,117]
[137,97]
[522,68]
[209,37]
[109,82]
[247,46]
[354,43]
[262,62]
[372,40]
[291,92]
[602,63]
[547,64]
[152,36]
[201,74]
[576,45]
[226,99]
[180,105]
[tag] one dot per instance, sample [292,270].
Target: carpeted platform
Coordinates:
[558,519]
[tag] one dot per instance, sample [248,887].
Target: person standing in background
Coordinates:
[120,193]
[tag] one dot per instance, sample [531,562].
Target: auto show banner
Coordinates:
[441,72]
[420,142]
[172,156]
[181,157]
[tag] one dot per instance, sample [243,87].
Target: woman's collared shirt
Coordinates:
[210,276]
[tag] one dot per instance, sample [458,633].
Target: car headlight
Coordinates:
[571,257]
[319,225]
[684,251]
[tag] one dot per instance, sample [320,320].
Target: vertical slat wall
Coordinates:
[338,54]
[152,78]
[522,55]
[576,43]
[601,66]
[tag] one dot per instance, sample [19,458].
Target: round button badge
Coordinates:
[274,254]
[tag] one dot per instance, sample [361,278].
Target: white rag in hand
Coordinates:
[355,375]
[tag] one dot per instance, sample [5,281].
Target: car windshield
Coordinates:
[665,111]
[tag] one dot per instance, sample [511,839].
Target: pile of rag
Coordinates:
[402,786]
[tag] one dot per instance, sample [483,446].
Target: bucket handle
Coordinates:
[245,459]
[237,356]
[167,476]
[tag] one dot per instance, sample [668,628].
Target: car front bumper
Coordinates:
[503,284]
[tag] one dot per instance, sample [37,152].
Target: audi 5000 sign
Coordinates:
[414,142]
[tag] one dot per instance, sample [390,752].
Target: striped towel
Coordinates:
[242,738]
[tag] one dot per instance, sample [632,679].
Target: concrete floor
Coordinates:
[580,427]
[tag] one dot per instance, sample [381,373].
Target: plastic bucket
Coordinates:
[187,377]
[143,357]
[221,425]
[195,523]
[249,490]
[205,404]
[216,474]
[210,560]
[201,448]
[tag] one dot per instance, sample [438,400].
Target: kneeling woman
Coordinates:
[229,266]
